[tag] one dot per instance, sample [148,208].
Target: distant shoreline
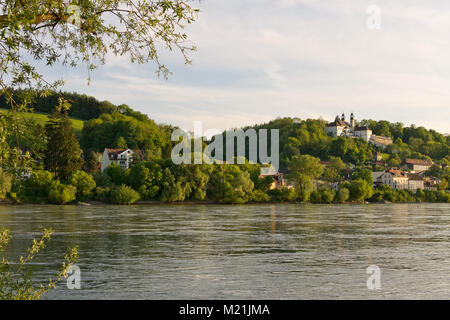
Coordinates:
[159,203]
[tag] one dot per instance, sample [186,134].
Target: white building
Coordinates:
[339,127]
[123,157]
[415,181]
[396,179]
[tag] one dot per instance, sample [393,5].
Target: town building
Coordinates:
[123,157]
[339,127]
[417,165]
[396,179]
[415,181]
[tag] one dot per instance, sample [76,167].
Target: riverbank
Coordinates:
[159,203]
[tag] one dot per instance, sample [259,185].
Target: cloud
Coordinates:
[260,59]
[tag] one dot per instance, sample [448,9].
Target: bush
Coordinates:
[84,184]
[260,196]
[62,194]
[315,197]
[124,195]
[327,195]
[102,194]
[102,180]
[342,195]
[37,187]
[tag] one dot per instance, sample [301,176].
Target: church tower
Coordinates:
[352,120]
[343,117]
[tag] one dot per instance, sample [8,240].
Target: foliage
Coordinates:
[304,170]
[16,281]
[342,195]
[359,190]
[123,195]
[228,184]
[63,155]
[115,173]
[5,183]
[37,187]
[84,183]
[61,193]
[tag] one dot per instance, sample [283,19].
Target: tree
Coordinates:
[63,154]
[84,184]
[229,184]
[121,143]
[363,173]
[304,170]
[91,163]
[116,173]
[333,172]
[171,189]
[360,190]
[145,177]
[342,195]
[80,32]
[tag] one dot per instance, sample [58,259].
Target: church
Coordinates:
[340,127]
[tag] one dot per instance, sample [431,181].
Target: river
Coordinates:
[280,251]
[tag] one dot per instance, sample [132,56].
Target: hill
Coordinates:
[42,118]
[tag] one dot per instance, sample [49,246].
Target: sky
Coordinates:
[257,60]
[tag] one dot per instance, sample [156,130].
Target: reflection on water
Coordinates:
[242,252]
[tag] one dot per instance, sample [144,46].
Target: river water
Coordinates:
[242,251]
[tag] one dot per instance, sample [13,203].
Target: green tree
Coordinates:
[342,195]
[304,170]
[61,193]
[145,177]
[333,171]
[360,190]
[171,188]
[63,154]
[37,186]
[363,173]
[84,184]
[91,163]
[116,173]
[121,143]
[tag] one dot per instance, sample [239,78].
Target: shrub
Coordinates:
[327,195]
[84,184]
[124,195]
[102,180]
[315,197]
[37,187]
[260,196]
[62,194]
[342,195]
[102,194]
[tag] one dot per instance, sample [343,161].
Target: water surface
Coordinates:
[242,252]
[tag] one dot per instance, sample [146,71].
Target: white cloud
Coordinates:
[259,59]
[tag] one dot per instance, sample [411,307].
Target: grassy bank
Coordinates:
[42,118]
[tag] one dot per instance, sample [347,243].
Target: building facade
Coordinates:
[339,127]
[123,157]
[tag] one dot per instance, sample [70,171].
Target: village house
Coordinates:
[396,179]
[279,181]
[417,165]
[415,181]
[339,127]
[123,157]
